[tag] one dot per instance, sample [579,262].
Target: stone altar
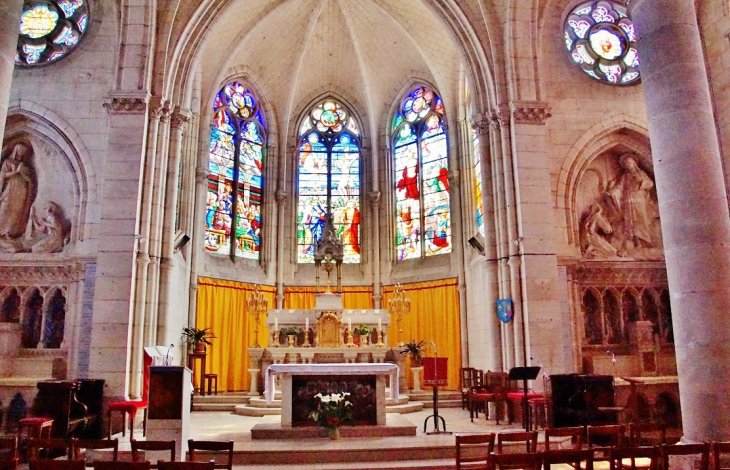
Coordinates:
[289,372]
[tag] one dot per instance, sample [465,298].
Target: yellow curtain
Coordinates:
[222,308]
[352,297]
[434,317]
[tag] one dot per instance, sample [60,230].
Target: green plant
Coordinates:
[414,350]
[291,330]
[192,336]
[332,411]
[363,330]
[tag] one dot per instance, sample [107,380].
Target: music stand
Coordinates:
[435,374]
[524,374]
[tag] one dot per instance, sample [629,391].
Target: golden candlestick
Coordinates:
[256,305]
[399,305]
[380,339]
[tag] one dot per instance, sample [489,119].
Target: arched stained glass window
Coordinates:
[329,180]
[49,29]
[422,176]
[237,142]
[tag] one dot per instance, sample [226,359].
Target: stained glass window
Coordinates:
[600,38]
[422,176]
[478,182]
[49,29]
[329,180]
[235,162]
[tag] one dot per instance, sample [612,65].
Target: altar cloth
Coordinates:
[331,369]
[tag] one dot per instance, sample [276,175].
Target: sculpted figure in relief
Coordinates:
[18,189]
[622,221]
[51,230]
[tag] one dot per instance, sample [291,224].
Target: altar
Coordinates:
[365,384]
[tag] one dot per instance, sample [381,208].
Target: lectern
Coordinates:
[168,416]
[435,373]
[524,374]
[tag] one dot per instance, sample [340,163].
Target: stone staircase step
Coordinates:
[214,406]
[249,410]
[227,398]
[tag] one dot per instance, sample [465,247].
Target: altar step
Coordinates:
[222,402]
[447,398]
[258,407]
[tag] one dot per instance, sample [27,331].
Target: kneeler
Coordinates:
[132,406]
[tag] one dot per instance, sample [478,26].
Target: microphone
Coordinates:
[167,355]
[434,348]
[613,356]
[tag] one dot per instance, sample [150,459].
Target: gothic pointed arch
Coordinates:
[420,152]
[234,190]
[328,179]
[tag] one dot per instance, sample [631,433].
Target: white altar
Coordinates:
[287,372]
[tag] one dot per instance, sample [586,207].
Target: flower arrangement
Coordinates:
[332,412]
[362,330]
[291,330]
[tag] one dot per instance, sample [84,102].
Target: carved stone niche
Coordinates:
[38,196]
[615,205]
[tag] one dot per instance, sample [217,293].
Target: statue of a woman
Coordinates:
[53,229]
[18,190]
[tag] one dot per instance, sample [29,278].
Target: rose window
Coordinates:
[600,38]
[49,29]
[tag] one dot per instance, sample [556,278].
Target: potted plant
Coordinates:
[414,350]
[332,411]
[291,333]
[197,338]
[363,331]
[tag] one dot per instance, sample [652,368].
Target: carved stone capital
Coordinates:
[530,112]
[180,118]
[165,112]
[374,198]
[281,197]
[127,104]
[480,124]
[501,115]
[155,106]
[201,174]
[454,179]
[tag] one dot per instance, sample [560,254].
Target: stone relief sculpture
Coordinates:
[22,229]
[18,191]
[622,221]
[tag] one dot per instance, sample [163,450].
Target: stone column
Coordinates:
[281,198]
[197,248]
[377,288]
[10,11]
[693,207]
[178,121]
[492,337]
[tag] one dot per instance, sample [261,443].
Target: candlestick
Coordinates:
[349,324]
[306,323]
[276,324]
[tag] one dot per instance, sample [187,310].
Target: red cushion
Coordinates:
[129,406]
[519,395]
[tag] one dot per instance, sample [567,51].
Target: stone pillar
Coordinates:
[197,248]
[491,336]
[693,207]
[178,121]
[377,288]
[10,11]
[281,198]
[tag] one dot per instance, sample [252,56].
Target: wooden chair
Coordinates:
[57,465]
[154,446]
[720,450]
[467,382]
[8,448]
[211,446]
[473,450]
[528,437]
[496,382]
[628,457]
[479,399]
[601,439]
[41,449]
[130,407]
[161,465]
[700,450]
[108,465]
[568,459]
[96,444]
[647,434]
[529,461]
[575,433]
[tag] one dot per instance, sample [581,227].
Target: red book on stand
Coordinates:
[435,371]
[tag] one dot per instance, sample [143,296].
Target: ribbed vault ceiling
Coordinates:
[367,51]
